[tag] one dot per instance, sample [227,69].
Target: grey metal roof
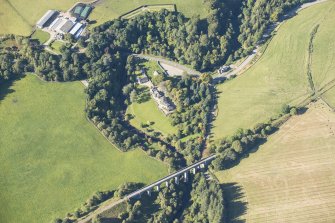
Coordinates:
[67,26]
[45,18]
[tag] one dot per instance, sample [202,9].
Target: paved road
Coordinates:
[246,62]
[169,62]
[144,189]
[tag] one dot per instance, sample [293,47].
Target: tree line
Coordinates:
[232,149]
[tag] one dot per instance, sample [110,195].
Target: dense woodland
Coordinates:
[231,30]
[196,202]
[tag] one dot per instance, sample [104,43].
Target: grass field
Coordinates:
[323,57]
[149,8]
[56,45]
[111,9]
[18,17]
[148,112]
[51,158]
[280,75]
[41,36]
[291,177]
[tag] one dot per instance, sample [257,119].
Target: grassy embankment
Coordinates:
[51,158]
[280,75]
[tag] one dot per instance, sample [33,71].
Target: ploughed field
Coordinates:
[291,178]
[51,158]
[280,75]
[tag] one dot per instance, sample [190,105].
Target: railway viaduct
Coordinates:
[181,174]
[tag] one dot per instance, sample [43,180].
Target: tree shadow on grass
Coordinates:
[5,87]
[235,204]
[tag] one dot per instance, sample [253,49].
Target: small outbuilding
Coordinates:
[142,79]
[223,69]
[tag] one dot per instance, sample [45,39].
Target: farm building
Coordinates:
[76,28]
[81,30]
[67,26]
[84,14]
[142,79]
[48,17]
[81,11]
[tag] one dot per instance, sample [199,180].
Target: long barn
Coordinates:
[46,18]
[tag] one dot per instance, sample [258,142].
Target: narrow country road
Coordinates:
[237,70]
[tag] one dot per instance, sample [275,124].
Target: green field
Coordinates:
[323,57]
[41,36]
[18,17]
[56,45]
[148,112]
[111,9]
[291,177]
[149,8]
[51,158]
[280,75]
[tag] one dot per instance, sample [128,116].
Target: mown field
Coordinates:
[149,112]
[280,75]
[111,9]
[291,177]
[51,158]
[323,56]
[41,36]
[56,45]
[323,59]
[19,16]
